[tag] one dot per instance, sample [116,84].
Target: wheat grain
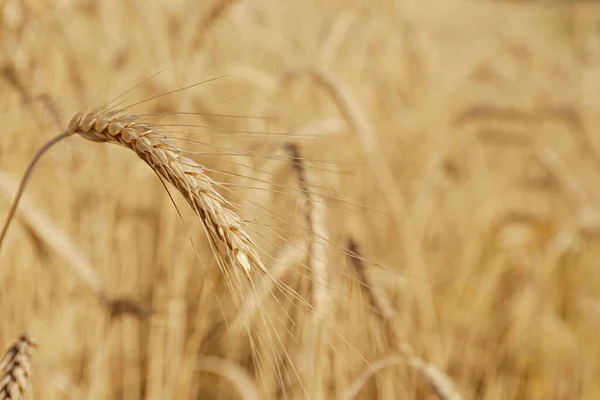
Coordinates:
[16,369]
[222,225]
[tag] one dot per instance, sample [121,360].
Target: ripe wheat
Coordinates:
[221,223]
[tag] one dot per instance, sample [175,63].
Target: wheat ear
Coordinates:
[16,369]
[221,223]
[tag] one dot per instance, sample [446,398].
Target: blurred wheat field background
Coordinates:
[416,174]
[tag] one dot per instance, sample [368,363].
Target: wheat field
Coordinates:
[390,199]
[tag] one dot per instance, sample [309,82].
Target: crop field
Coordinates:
[302,199]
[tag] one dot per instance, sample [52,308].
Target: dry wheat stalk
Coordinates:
[222,224]
[16,369]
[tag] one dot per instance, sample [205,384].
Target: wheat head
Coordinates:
[15,368]
[222,225]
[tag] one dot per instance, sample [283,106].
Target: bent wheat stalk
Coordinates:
[25,179]
[222,225]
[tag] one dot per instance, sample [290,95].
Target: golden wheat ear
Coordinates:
[15,367]
[224,227]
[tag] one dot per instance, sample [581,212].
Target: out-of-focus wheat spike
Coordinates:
[16,369]
[51,108]
[222,225]
[233,372]
[314,211]
[381,303]
[440,383]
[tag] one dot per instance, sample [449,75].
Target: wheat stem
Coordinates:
[38,155]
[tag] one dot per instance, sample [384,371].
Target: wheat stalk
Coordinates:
[16,369]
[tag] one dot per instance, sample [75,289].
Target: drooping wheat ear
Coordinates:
[222,225]
[16,369]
